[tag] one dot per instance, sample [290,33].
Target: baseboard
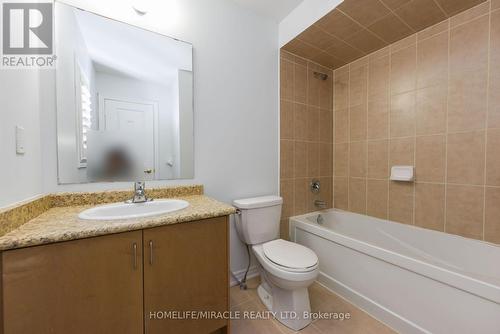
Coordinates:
[382,314]
[253,272]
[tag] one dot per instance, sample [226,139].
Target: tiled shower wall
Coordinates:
[306,136]
[433,101]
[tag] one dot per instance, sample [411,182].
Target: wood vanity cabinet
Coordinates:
[110,284]
[80,287]
[186,269]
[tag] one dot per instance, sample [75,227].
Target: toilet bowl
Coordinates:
[284,285]
[287,269]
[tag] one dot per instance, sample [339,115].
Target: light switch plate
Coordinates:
[20,140]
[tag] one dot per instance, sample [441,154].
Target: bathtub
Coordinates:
[414,280]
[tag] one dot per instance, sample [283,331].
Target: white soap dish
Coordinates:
[403,173]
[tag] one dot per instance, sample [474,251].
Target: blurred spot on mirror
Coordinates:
[124,101]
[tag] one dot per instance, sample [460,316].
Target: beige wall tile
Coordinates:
[326,91]
[287,193]
[377,196]
[341,90]
[300,83]
[493,158]
[495,4]
[341,193]
[468,75]
[378,159]
[300,121]
[312,159]
[300,159]
[467,46]
[401,202]
[313,123]
[325,159]
[464,211]
[403,70]
[404,43]
[286,159]
[466,157]
[313,84]
[284,229]
[467,104]
[379,77]
[357,159]
[430,206]
[431,110]
[287,55]
[401,152]
[492,215]
[341,159]
[326,192]
[494,92]
[286,120]
[357,195]
[325,126]
[381,102]
[431,158]
[301,193]
[378,118]
[470,14]
[402,116]
[342,126]
[286,79]
[357,122]
[432,61]
[358,86]
[433,30]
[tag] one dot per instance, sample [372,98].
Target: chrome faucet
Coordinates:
[139,193]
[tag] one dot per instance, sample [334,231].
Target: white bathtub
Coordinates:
[414,280]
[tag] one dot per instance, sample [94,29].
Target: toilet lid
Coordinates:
[289,254]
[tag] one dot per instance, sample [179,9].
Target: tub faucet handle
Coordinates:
[315,186]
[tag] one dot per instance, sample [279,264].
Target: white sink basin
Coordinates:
[121,211]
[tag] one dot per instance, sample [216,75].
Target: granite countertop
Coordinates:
[62,223]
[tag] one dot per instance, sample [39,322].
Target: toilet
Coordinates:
[287,269]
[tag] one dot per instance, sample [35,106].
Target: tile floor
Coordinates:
[321,300]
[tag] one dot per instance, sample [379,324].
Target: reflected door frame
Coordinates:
[156,119]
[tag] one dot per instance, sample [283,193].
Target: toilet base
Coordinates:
[290,307]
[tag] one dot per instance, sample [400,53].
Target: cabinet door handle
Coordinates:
[151,252]
[134,246]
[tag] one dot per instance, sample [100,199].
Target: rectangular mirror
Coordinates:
[124,101]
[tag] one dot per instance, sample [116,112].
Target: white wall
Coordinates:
[235,100]
[21,175]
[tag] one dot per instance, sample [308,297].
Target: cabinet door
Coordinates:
[185,269]
[84,286]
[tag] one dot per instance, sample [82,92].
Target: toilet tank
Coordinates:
[258,220]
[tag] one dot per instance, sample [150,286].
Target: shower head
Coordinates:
[320,76]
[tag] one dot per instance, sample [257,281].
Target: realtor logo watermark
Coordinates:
[27,35]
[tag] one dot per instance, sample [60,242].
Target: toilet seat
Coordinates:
[290,274]
[290,256]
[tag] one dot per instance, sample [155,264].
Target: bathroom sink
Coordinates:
[121,211]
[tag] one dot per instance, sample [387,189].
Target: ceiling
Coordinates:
[276,9]
[359,27]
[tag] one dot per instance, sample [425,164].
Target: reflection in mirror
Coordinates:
[124,101]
